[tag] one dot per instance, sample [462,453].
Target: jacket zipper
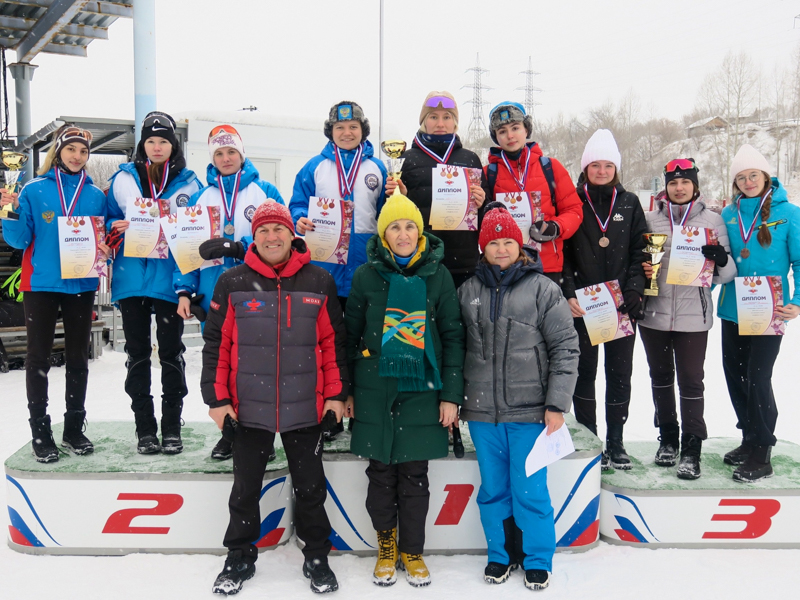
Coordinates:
[539,366]
[288,311]
[278,372]
[505,362]
[494,361]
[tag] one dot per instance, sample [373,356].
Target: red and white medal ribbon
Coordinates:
[347,178]
[229,207]
[746,235]
[157,194]
[440,159]
[683,220]
[526,155]
[603,225]
[68,209]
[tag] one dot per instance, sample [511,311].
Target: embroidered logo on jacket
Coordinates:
[371,181]
[249,212]
[618,217]
[182,200]
[48,216]
[214,305]
[254,305]
[475,302]
[316,301]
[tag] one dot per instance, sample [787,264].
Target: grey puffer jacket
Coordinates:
[522,347]
[683,307]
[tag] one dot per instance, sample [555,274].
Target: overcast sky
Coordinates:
[297,57]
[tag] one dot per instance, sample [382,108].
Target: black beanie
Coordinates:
[157,124]
[680,173]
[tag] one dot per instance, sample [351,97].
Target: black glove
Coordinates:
[229,426]
[632,305]
[329,421]
[544,231]
[221,248]
[197,310]
[458,443]
[716,253]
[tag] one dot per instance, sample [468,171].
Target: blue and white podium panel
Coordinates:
[649,506]
[116,501]
[453,525]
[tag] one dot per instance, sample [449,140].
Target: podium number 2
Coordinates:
[120,521]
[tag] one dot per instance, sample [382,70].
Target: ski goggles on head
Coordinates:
[435,101]
[158,121]
[222,129]
[71,135]
[680,164]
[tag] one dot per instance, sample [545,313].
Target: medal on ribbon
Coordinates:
[229,206]
[746,235]
[604,241]
[157,194]
[439,159]
[347,178]
[67,209]
[523,178]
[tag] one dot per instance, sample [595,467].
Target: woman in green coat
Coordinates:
[405,342]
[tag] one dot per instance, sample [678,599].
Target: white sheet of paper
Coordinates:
[548,449]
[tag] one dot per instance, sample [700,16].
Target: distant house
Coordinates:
[706,126]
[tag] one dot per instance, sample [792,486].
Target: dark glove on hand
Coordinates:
[544,231]
[716,253]
[329,421]
[632,305]
[113,239]
[221,248]
[197,310]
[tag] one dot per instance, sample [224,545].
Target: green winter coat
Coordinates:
[391,426]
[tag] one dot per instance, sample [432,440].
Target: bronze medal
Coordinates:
[744,253]
[229,229]
[604,242]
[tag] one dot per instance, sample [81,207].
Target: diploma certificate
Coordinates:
[687,265]
[78,240]
[452,207]
[526,209]
[756,299]
[333,223]
[195,225]
[144,238]
[602,319]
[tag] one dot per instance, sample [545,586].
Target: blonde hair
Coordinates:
[764,236]
[49,160]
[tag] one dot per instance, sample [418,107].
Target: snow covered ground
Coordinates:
[604,572]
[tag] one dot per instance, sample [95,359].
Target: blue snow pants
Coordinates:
[505,491]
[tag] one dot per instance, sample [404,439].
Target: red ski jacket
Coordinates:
[570,207]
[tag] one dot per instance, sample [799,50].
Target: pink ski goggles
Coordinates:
[435,101]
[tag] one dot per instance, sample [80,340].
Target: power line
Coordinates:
[477,126]
[530,90]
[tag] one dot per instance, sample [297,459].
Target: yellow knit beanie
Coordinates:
[399,207]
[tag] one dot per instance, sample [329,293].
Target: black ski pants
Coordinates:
[303,447]
[618,368]
[398,496]
[136,313]
[41,315]
[748,361]
[684,352]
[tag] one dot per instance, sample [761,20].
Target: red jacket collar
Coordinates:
[299,257]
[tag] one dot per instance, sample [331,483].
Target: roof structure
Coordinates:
[56,26]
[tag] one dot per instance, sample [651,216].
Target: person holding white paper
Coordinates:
[520,371]
[63,189]
[159,180]
[764,230]
[675,329]
[237,190]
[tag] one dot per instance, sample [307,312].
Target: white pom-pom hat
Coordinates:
[601,146]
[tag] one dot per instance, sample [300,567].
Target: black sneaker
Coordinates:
[322,578]
[171,443]
[738,456]
[537,579]
[237,570]
[44,447]
[148,444]
[223,450]
[496,572]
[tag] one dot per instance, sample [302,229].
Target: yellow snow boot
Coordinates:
[385,573]
[417,573]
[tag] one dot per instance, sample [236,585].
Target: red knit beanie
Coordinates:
[498,223]
[272,212]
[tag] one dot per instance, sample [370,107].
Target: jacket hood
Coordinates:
[329,151]
[380,258]
[299,257]
[494,153]
[490,276]
[249,175]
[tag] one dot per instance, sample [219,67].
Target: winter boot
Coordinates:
[757,466]
[146,428]
[667,453]
[44,447]
[689,467]
[496,572]
[417,573]
[73,438]
[617,457]
[605,465]
[739,455]
[322,578]
[385,573]
[171,442]
[537,579]
[237,570]
[223,450]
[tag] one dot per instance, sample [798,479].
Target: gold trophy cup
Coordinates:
[14,161]
[394,164]
[655,248]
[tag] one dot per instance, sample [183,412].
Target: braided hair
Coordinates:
[764,236]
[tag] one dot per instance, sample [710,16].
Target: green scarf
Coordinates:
[407,342]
